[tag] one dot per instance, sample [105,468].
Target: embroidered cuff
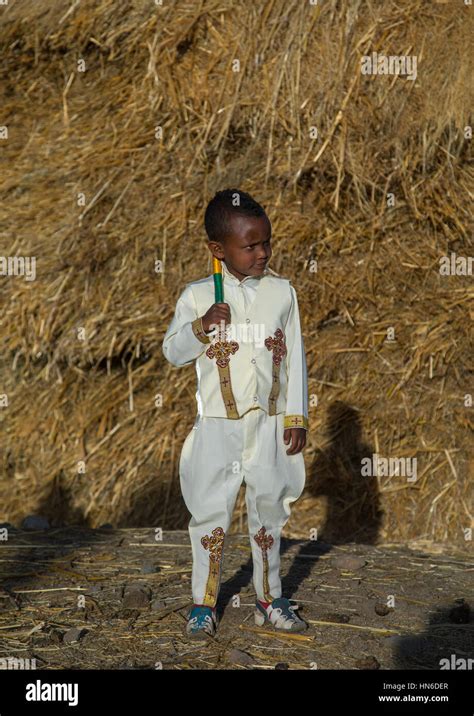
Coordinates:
[199,332]
[296,421]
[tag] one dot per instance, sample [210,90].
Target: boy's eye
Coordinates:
[251,247]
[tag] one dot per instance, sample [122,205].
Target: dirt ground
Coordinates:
[117,599]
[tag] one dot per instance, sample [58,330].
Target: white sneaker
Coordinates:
[202,621]
[281,614]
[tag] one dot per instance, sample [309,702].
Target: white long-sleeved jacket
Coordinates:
[260,362]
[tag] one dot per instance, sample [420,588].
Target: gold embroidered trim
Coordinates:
[272,400]
[265,541]
[215,546]
[276,344]
[222,350]
[295,421]
[199,331]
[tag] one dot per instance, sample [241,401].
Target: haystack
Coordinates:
[122,119]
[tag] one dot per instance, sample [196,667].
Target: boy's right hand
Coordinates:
[217,312]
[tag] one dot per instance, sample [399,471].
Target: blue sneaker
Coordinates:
[281,614]
[202,621]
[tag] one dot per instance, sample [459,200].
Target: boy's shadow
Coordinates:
[445,644]
[353,501]
[353,510]
[42,552]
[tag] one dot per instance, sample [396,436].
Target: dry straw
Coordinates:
[81,345]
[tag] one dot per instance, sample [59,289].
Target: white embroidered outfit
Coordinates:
[252,384]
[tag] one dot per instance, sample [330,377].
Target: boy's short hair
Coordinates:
[222,206]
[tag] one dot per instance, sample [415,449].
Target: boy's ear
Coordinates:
[216,249]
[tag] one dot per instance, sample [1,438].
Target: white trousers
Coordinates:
[217,455]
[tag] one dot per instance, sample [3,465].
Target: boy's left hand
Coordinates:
[298,439]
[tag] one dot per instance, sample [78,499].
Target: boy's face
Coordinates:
[247,250]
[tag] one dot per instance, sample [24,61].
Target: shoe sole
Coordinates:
[201,634]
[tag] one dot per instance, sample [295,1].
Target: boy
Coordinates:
[252,399]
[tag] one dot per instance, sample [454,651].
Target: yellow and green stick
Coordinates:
[218,285]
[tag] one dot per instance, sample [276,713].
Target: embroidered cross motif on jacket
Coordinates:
[222,350]
[276,344]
